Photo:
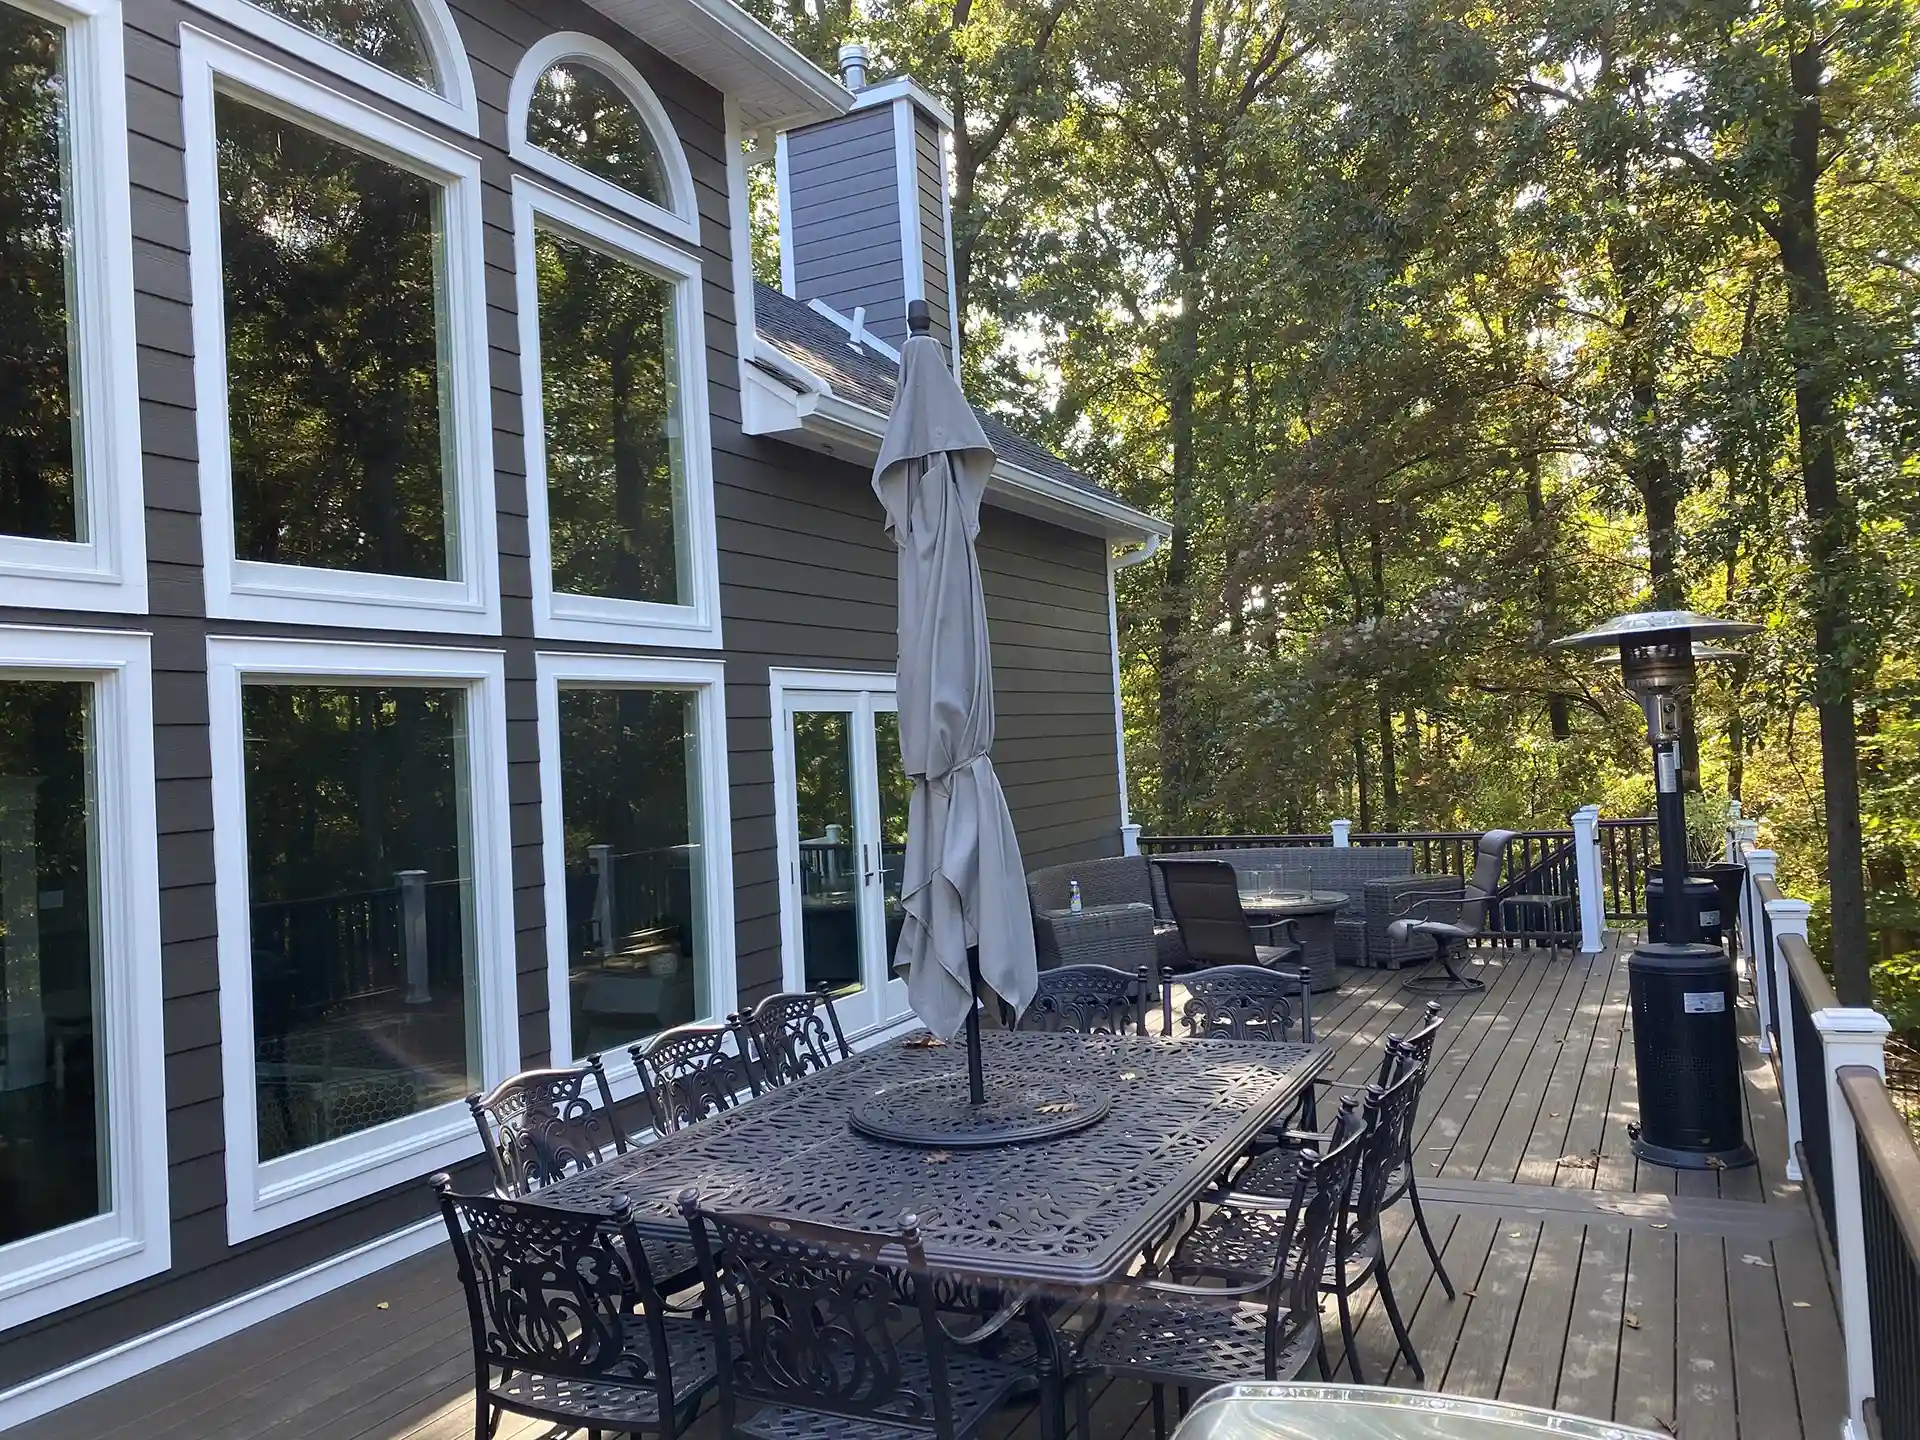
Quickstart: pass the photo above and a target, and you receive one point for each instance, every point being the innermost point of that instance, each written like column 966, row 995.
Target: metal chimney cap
column 1654, row 627
column 853, row 65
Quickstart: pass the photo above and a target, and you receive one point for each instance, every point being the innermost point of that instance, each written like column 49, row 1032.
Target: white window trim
column 706, row 680
column 681, row 216
column 455, row 106
column 108, row 570
column 558, row 615
column 262, row 1197
column 48, row 1272
column 255, row 590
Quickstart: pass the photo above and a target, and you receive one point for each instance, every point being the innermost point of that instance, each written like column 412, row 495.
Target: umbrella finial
column 919, row 317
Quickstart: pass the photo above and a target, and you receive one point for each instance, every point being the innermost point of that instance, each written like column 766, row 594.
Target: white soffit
column 774, row 85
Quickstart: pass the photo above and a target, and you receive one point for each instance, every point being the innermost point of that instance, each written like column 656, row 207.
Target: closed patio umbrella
column 964, row 885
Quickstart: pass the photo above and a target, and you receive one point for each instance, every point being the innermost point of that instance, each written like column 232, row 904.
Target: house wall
column 844, row 221
column 806, row 579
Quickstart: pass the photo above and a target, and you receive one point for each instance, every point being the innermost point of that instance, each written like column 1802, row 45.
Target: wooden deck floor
column 1695, row 1304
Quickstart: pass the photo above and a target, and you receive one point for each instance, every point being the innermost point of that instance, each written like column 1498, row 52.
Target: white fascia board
column 816, row 419
column 775, row 85
column 903, row 88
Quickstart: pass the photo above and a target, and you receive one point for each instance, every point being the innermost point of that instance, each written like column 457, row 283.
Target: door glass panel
column 829, row 870
column 630, row 808
column 359, row 875
column 53, row 1160
column 895, row 793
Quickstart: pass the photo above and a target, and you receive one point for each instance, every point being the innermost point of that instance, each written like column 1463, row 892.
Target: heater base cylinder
column 1686, row 1052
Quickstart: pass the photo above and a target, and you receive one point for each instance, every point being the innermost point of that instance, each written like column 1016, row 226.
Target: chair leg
column 1185, row 1397
column 1404, row 1340
column 1320, row 1352
column 1426, row 1235
column 1347, row 1336
column 1159, row 1412
column 1082, row 1409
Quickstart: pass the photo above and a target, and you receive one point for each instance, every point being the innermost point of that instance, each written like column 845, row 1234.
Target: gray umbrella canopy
column 964, row 883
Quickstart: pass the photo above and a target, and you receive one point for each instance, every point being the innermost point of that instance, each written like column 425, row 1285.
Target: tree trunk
column 1546, row 588
column 1383, row 695
column 1175, row 603
column 1832, row 532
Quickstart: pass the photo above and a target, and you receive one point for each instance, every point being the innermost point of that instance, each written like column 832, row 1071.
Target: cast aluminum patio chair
column 568, row 1326
column 1088, row 1000
column 1235, row 1237
column 1241, row 1002
column 1204, row 896
column 688, row 1073
column 1194, row 1336
column 796, row 1033
column 1269, row 1174
column 540, row 1126
column 812, row 1321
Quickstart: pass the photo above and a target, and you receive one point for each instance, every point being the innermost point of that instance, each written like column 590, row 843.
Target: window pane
column 387, row 32
column 579, row 114
column 616, row 499
column 38, row 443
column 829, row 873
column 53, row 1165
column 637, row 948
column 335, row 383
column 359, row 874
column 896, row 799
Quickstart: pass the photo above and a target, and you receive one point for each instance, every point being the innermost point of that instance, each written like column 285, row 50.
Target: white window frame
column 57, row 1268
column 557, row 614
column 681, row 215
column 107, row 571
column 258, row 590
column 264, row 1196
column 706, row 681
column 454, row 104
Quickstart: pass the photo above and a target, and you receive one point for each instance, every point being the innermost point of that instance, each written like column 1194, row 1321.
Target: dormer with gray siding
column 865, row 220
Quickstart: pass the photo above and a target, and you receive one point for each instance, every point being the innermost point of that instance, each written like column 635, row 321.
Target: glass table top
column 1305, row 1411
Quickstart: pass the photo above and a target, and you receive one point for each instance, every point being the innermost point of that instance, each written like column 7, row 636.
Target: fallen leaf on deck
column 383, row 1305
column 1803, row 1304
column 1759, row 1260
column 1714, row 1162
column 1661, row 1225
column 923, row 1042
column 1632, row 1320
column 1515, row 1234
column 1667, row 1425
column 1579, row 1162
column 1471, row 1294
column 938, row 1157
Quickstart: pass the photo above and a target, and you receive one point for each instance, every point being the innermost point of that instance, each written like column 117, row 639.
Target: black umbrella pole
column 976, row 1076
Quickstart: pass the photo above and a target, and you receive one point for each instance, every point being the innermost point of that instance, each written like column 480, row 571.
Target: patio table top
column 1072, row 1210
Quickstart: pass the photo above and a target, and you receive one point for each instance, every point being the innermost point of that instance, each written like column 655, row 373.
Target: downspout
column 1139, row 554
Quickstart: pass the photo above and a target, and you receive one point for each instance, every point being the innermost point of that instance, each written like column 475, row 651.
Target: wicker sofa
column 1116, row 921
column 1346, row 869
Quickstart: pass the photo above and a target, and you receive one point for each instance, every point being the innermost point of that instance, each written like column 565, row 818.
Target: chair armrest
column 1288, row 923
column 993, row 1325
column 1202, row 1292
column 1421, row 908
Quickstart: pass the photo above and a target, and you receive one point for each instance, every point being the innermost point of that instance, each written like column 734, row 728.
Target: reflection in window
column 637, row 949
column 336, row 386
column 896, row 796
column 579, row 114
column 616, row 502
column 387, row 32
column 829, row 876
column 53, row 1164
column 38, row 443
column 359, row 874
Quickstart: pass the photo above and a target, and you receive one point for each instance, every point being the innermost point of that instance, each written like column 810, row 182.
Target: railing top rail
column 1767, row 888
column 1628, row 822
column 1358, row 837
column 1323, row 838
column 1808, row 978
column 1889, row 1145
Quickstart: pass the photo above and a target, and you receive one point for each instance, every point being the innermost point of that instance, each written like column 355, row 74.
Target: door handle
column 866, row 864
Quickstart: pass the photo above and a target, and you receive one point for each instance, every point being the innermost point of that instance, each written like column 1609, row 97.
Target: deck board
column 1607, row 1288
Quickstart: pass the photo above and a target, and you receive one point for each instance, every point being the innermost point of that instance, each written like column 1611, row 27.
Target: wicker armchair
column 1115, row 925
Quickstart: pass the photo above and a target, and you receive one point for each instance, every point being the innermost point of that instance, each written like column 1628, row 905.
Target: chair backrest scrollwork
column 541, row 1126
column 797, row 1033
column 811, row 1315
column 689, row 1073
column 1246, row 1002
column 1089, row 1000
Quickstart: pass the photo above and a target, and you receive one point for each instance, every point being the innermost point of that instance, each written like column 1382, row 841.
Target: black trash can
column 1729, row 879
column 1703, row 908
column 1686, row 1051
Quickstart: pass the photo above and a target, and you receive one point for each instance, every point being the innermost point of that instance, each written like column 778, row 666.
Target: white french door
column 841, row 809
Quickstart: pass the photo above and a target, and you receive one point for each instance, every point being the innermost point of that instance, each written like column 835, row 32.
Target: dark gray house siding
column 807, row 579
column 845, row 206
column 930, row 164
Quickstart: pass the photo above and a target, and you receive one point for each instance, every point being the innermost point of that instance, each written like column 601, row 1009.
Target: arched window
column 410, row 51
column 581, row 114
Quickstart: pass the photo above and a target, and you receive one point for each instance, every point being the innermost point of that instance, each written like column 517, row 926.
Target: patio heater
column 1686, row 1046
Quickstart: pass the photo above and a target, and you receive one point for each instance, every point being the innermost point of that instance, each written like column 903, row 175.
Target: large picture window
column 620, row 489
column 339, row 326
column 70, row 503
column 366, row 974
column 83, row 1188
column 639, row 882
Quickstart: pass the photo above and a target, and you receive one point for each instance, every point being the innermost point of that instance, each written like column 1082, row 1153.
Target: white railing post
column 1586, row 869
column 1129, row 839
column 600, row 862
column 1851, row 1035
column 1788, row 917
column 1733, row 832
column 413, row 933
column 1343, row 834
column 1753, row 939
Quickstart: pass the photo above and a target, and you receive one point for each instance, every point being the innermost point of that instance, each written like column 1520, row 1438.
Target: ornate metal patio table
column 1071, row 1211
